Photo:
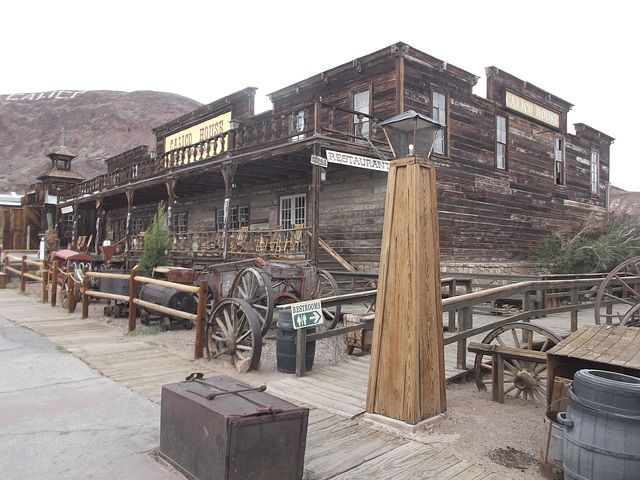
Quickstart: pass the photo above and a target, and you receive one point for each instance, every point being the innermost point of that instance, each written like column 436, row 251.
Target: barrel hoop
column 602, row 451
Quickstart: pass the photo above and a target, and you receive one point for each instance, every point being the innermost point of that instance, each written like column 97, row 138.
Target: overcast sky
column 584, row 52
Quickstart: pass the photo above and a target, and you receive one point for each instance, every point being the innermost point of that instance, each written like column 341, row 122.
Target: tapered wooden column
column 406, row 378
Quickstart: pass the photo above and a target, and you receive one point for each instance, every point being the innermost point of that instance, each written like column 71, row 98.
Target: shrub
column 600, row 245
column 157, row 241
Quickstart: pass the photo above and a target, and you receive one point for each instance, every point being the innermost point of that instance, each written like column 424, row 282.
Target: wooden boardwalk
column 339, row 446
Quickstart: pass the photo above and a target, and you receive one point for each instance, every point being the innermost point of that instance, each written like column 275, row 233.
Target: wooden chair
column 297, row 235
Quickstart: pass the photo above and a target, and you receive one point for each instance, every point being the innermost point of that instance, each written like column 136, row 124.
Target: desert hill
column 95, row 125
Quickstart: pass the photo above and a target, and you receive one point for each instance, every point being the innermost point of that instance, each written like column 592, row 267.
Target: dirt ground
column 502, row 438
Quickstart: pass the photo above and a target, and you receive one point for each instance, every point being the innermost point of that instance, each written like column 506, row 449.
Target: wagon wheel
column 632, row 317
column 254, row 286
column 370, row 304
column 326, row 286
column 625, row 296
column 234, row 329
column 527, row 379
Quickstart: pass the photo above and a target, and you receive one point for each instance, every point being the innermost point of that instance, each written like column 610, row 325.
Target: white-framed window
column 559, row 161
column 136, row 226
column 595, row 169
column 180, row 223
column 361, row 103
column 501, row 142
column 439, row 114
column 298, row 126
column 293, row 211
column 67, row 228
column 238, row 217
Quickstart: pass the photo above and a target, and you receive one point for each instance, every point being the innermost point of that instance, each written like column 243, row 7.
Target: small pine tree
column 157, row 241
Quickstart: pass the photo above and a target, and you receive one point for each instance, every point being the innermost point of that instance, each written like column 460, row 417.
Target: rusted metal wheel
column 522, row 379
column 254, row 286
column 326, row 286
column 234, row 329
column 617, row 295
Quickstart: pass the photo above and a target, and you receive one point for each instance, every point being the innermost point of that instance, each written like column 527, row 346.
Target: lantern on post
column 406, row 377
column 411, row 134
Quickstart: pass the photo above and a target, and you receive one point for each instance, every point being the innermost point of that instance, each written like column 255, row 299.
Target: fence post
column 4, row 268
column 85, row 297
column 71, row 289
column 44, row 274
column 574, row 313
column 465, row 322
column 301, row 352
column 133, row 292
column 54, row 282
column 23, row 270
column 200, row 321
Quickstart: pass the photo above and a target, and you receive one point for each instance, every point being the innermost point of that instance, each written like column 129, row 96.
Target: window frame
column 559, row 161
column 236, row 217
column 502, row 160
column 298, row 125
column 180, row 223
column 440, row 115
column 594, row 172
column 366, row 122
column 287, row 223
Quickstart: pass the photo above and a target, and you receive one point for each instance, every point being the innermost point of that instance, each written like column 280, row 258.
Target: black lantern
column 411, row 134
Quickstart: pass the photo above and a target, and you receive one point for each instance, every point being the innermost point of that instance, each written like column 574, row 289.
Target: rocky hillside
column 95, row 125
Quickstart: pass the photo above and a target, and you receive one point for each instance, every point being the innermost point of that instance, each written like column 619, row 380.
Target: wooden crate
column 360, row 338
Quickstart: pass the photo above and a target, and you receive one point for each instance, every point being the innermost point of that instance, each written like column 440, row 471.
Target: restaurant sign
column 533, row 110
column 198, row 133
column 357, row 161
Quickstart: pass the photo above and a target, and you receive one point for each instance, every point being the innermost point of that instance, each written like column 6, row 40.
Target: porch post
column 171, row 198
column 228, row 172
column 314, row 251
column 127, row 232
column 99, row 223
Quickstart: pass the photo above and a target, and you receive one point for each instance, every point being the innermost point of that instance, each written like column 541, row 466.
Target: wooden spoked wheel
column 254, row 286
column 522, row 379
column 326, row 286
column 370, row 304
column 618, row 295
column 234, row 329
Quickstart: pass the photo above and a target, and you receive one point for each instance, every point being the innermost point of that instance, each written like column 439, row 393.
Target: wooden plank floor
column 339, row 446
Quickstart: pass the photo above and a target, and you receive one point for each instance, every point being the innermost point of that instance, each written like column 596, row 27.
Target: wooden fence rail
column 132, row 299
column 463, row 305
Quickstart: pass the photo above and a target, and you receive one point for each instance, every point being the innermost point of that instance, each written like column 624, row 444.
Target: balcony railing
column 320, row 118
column 290, row 243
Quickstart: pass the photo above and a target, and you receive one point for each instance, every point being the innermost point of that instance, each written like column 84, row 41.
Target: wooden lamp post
column 406, row 378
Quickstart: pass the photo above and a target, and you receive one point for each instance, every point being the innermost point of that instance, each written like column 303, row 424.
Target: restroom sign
column 307, row 314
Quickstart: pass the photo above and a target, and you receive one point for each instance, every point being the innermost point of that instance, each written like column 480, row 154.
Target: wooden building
column 40, row 203
column 508, row 172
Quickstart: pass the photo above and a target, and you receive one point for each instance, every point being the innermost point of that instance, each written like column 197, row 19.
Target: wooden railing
column 42, row 266
column 321, row 118
column 132, row 299
column 290, row 243
column 463, row 305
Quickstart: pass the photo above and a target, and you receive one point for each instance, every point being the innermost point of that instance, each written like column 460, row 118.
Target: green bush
column 157, row 241
column 600, row 245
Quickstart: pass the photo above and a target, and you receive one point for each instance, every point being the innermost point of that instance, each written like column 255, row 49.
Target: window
column 501, row 142
column 361, row 125
column 559, row 161
column 67, row 228
column 298, row 126
column 136, row 226
column 238, row 217
column 595, row 168
column 180, row 223
column 439, row 114
column 293, row 211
